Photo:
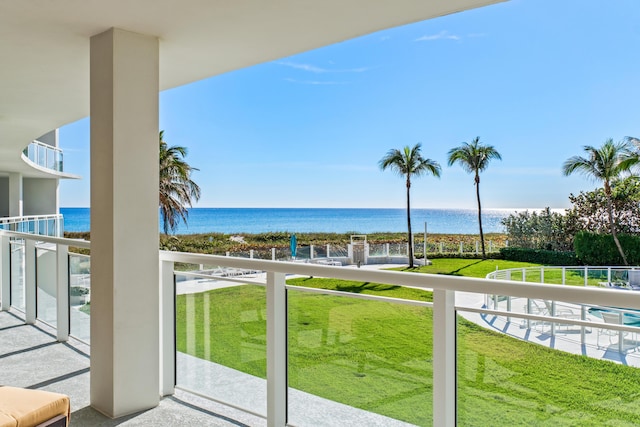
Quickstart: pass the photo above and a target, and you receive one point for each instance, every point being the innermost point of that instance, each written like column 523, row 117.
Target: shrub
column 540, row 256
column 600, row 249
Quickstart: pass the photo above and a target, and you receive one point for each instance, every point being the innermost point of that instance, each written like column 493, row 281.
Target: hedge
column 600, row 249
column 540, row 256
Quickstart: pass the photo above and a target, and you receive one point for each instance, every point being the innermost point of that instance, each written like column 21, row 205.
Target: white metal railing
column 45, row 225
column 44, row 155
column 444, row 309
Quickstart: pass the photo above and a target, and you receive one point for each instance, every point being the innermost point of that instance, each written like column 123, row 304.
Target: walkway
column 32, row 358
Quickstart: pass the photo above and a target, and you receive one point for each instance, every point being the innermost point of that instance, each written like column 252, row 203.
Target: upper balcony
column 44, row 155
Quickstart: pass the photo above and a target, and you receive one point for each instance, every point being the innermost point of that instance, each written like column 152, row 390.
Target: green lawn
column 377, row 356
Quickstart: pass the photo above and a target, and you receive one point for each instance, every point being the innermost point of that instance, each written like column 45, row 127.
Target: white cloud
column 314, row 82
column 320, row 70
column 442, row 35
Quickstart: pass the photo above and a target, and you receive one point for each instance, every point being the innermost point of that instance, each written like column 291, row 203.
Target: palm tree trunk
column 612, row 225
column 409, row 224
column 484, row 255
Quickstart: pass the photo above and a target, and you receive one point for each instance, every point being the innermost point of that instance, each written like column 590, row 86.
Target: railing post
column 251, row 253
column 30, row 281
column 490, row 245
column 583, row 316
column 609, row 276
column 167, row 329
column 586, row 275
column 273, row 254
column 476, row 247
column 62, row 292
column 461, row 247
column 444, row 358
column 564, row 275
column 310, row 251
column 5, row 273
column 553, row 314
column 276, row 350
column 328, row 250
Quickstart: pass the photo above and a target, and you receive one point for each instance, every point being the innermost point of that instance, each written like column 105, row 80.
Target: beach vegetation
column 409, row 163
column 545, row 230
column 605, row 164
column 178, row 191
column 474, row 158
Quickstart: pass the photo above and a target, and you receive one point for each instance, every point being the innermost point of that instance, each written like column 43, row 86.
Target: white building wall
column 49, row 138
column 40, row 196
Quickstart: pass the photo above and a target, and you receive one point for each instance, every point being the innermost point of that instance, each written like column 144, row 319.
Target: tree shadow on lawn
column 456, row 272
column 357, row 288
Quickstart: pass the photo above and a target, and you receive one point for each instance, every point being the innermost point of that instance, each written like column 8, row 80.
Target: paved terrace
column 30, row 357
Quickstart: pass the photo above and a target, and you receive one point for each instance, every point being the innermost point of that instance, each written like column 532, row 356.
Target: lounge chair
column 613, row 318
column 634, row 280
column 33, row 408
column 564, row 312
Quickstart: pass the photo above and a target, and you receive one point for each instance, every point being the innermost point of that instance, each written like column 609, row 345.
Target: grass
column 377, row 356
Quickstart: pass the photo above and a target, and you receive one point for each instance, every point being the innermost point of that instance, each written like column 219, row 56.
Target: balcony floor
column 31, row 357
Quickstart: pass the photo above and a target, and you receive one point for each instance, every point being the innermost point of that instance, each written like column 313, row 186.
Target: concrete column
column 15, row 194
column 125, row 300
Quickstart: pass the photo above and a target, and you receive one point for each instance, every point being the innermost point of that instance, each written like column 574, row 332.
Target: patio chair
column 614, row 318
column 538, row 309
column 565, row 312
column 634, row 280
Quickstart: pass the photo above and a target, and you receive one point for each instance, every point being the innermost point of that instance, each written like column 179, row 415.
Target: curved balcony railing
column 44, row 155
column 247, row 336
column 43, row 225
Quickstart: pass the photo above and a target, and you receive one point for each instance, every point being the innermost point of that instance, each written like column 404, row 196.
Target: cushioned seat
column 21, row 407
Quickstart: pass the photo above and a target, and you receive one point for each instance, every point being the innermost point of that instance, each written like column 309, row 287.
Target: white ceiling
column 44, row 46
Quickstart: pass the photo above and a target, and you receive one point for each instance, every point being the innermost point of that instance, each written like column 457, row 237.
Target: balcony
column 44, row 225
column 44, row 155
column 257, row 347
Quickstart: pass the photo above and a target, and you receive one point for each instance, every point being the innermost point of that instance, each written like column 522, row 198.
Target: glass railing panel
column 42, row 155
column 377, row 249
column 221, row 341
column 358, row 362
column 17, row 273
column 503, row 380
column 397, row 249
column 319, row 251
column 338, row 251
column 46, row 286
column 303, row 252
column 80, row 296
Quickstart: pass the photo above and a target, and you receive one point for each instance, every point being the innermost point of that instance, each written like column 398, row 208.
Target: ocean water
column 301, row 220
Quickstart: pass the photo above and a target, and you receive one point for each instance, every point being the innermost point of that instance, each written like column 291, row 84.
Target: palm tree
column 409, row 162
column 604, row 164
column 177, row 189
column 474, row 158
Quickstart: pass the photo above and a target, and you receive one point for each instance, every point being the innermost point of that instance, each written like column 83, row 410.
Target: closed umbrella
column 293, row 245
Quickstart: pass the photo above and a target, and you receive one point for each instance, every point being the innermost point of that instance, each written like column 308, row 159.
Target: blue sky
column 537, row 79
